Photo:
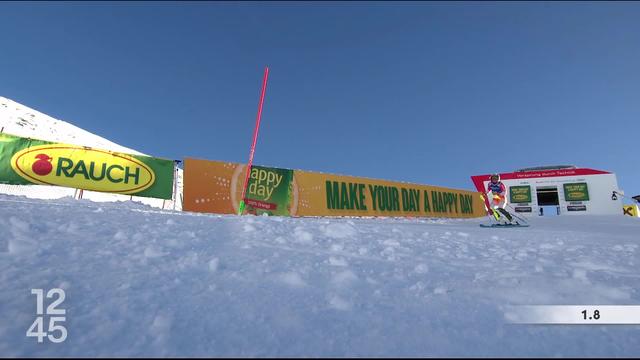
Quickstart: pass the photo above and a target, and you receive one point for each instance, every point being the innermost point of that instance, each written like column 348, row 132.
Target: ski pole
column 516, row 216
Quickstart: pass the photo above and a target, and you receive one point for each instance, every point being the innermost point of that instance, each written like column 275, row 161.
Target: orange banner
column 216, row 187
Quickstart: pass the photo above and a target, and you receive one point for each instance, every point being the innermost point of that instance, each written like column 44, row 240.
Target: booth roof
column 478, row 180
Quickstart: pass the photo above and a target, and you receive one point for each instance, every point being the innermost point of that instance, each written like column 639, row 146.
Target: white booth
column 559, row 190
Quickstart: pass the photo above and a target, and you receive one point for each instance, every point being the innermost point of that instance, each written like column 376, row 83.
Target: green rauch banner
column 269, row 191
column 37, row 162
column 520, row 194
column 576, row 192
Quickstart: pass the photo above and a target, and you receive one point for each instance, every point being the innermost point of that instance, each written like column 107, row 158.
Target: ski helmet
column 497, row 176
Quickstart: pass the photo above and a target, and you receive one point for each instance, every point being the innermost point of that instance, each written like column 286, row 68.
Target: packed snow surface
column 144, row 282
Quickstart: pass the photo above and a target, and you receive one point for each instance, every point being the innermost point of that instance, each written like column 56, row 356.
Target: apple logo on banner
column 43, row 166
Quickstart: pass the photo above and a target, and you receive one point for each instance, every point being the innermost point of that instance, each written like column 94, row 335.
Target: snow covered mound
column 140, row 281
column 17, row 119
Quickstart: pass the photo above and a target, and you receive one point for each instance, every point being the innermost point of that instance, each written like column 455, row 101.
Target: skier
column 499, row 198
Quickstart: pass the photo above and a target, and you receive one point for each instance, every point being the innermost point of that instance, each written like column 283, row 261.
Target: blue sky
column 423, row 92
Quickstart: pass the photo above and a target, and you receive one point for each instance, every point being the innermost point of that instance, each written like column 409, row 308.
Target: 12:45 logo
column 56, row 332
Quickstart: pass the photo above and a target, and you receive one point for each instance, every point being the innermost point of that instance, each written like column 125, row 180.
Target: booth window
column 547, row 196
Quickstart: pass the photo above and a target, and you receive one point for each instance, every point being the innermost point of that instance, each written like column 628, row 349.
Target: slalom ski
column 503, row 225
column 493, row 212
column 497, row 217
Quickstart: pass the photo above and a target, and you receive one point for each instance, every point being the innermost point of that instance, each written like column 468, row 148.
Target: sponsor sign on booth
column 576, row 192
column 520, row 194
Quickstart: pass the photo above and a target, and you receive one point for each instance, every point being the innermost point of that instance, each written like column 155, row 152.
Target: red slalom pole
column 255, row 139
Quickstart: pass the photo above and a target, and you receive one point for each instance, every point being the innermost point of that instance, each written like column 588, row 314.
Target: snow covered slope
column 17, row 119
column 140, row 281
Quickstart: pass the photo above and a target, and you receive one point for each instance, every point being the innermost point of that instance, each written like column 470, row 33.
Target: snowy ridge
column 20, row 120
column 145, row 282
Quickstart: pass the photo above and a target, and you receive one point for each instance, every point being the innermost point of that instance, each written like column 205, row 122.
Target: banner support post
column 175, row 183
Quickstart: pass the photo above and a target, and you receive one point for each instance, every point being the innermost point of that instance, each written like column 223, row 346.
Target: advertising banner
column 576, row 192
column 520, row 194
column 37, row 162
column 269, row 191
column 216, row 187
column 630, row 210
